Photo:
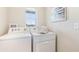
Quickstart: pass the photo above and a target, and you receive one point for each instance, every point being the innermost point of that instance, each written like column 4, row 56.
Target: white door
column 46, row 46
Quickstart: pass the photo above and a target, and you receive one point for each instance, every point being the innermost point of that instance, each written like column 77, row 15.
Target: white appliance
column 16, row 41
column 44, row 42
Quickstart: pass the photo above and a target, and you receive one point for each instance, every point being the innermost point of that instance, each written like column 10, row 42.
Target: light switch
column 76, row 26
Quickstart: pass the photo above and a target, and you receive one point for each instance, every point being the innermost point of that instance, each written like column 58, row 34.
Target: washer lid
column 15, row 35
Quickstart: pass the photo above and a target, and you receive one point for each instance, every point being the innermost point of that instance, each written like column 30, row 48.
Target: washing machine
column 45, row 42
column 15, row 42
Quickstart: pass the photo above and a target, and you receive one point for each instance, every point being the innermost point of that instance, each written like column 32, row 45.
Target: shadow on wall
column 3, row 21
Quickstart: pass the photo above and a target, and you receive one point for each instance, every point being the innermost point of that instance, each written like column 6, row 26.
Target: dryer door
column 46, row 46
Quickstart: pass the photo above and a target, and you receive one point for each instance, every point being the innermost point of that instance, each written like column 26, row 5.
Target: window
column 30, row 18
column 58, row 14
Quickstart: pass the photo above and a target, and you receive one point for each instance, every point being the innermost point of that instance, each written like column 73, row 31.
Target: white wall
column 3, row 20
column 67, row 33
column 17, row 15
column 73, row 13
column 41, row 16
